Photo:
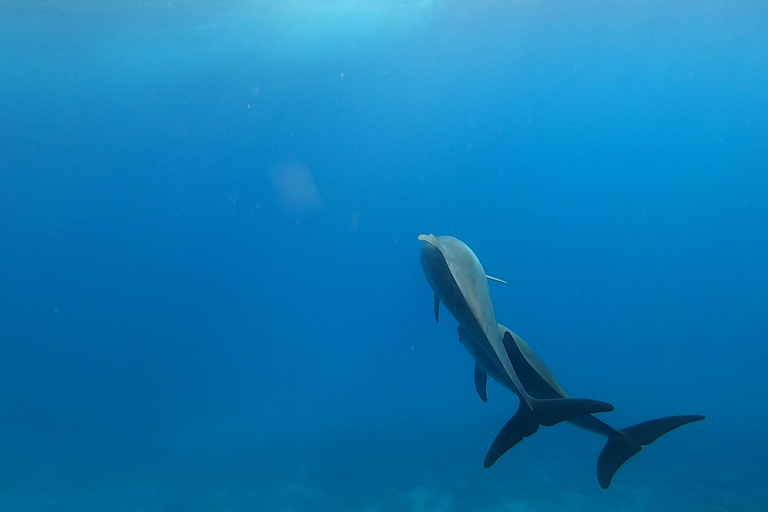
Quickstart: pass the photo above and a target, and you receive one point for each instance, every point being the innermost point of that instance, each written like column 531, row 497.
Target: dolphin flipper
column 629, row 441
column 520, row 426
column 481, row 383
column 437, row 308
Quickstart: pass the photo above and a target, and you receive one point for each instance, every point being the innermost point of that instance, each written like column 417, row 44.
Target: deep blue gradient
column 211, row 296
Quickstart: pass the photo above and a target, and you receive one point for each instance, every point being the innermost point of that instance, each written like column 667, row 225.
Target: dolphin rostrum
column 529, row 376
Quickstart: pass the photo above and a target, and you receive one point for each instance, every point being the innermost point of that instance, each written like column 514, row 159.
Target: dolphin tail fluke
column 547, row 412
column 627, row 442
column 551, row 411
column 616, row 452
column 520, row 426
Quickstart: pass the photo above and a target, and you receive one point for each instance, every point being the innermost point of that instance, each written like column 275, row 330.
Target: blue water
column 211, row 297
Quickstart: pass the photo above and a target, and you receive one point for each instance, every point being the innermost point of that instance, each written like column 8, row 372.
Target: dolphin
column 459, row 281
column 529, row 377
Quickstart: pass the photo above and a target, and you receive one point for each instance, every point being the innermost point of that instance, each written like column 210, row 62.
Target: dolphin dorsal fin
column 491, row 278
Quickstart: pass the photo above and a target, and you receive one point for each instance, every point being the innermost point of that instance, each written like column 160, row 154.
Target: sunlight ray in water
column 306, row 27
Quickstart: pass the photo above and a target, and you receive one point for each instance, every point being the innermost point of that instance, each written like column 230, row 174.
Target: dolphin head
column 448, row 254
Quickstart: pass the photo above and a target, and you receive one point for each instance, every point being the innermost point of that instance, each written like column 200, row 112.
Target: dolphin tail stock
column 553, row 408
column 623, row 444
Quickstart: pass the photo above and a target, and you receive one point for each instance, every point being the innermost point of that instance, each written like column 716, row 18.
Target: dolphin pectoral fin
column 437, row 308
column 482, row 362
column 551, row 411
column 628, row 442
column 481, row 383
column 520, row 426
column 491, row 278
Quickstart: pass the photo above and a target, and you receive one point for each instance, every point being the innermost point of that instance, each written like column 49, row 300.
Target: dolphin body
column 459, row 281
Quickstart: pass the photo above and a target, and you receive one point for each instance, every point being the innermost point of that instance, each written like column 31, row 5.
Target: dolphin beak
column 427, row 238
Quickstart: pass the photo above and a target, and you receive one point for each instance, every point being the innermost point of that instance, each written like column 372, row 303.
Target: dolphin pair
column 460, row 283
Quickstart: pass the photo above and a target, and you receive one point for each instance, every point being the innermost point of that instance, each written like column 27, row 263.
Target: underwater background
column 211, row 296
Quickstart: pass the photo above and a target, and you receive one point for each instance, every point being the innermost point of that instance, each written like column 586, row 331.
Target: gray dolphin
column 529, row 376
column 459, row 281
